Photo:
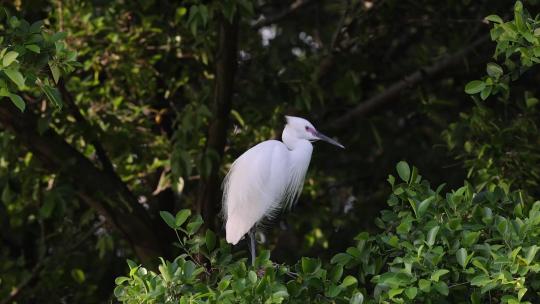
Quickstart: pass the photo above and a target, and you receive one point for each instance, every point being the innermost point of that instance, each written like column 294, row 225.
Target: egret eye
column 307, row 128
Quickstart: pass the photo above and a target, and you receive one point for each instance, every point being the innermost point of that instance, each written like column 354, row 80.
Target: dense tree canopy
column 116, row 115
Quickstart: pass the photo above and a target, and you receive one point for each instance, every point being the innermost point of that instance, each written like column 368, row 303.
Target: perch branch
column 393, row 91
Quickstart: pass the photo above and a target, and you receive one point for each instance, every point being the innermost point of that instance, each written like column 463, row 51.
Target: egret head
column 303, row 129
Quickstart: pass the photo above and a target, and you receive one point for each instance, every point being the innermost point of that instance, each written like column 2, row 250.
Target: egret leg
column 252, row 245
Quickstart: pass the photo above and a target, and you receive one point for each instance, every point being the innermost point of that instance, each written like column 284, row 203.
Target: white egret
column 268, row 177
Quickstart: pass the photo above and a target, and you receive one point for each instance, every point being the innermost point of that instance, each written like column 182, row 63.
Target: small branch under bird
column 268, row 177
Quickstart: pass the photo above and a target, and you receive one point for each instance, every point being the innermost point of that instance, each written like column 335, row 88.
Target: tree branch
column 226, row 62
column 393, row 91
column 86, row 128
column 109, row 196
column 268, row 20
column 337, row 33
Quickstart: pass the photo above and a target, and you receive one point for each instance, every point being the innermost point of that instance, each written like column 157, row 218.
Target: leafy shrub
column 497, row 139
column 434, row 247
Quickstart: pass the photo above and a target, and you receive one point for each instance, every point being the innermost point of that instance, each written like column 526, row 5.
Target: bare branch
column 393, row 91
column 265, row 21
column 339, row 27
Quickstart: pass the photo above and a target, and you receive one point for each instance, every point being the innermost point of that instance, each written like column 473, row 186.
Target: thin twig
column 338, row 31
column 267, row 20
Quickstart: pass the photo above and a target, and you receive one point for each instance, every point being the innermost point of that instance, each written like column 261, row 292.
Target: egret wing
column 254, row 187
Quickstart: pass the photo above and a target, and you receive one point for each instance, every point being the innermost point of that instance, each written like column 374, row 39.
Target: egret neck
column 300, row 155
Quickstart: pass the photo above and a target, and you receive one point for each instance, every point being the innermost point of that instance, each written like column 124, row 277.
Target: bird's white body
column 267, row 177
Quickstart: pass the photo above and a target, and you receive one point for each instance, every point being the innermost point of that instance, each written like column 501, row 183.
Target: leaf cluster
column 434, row 247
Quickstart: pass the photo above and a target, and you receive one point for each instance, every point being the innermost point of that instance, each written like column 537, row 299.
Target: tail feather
column 236, row 229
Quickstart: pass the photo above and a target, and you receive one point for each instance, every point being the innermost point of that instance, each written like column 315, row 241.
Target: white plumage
column 267, row 177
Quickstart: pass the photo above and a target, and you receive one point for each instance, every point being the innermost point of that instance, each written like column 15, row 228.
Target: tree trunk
column 226, row 62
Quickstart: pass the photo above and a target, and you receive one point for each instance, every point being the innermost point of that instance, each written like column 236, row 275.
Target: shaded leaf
column 475, row 86
column 9, row 57
column 168, row 218
column 403, row 171
column 17, row 101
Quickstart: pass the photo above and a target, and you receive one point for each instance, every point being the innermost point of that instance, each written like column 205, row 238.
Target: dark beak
column 328, row 139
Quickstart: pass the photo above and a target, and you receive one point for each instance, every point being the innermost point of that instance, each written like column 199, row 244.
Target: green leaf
column 252, row 276
column 518, row 16
column 494, row 18
column 461, row 256
column 403, row 171
column 424, row 285
column 16, row 77
column 531, row 253
column 120, row 280
column 415, row 178
column 441, row 288
column 36, row 27
column 358, row 298
column 248, row 6
column 165, row 273
column 131, row 264
column 333, row 291
column 182, row 216
column 475, row 298
column 34, row 48
column 168, row 218
column 521, row 293
column 531, row 102
column 210, row 239
column 394, row 279
column 348, row 281
column 17, row 101
column 475, row 86
column 58, row 36
column 336, row 273
column 486, row 92
column 480, row 280
column 411, row 292
column 203, row 12
column 310, row 265
column 229, row 9
column 238, row 118
column 78, row 275
column 391, row 180
column 394, row 292
column 470, row 238
column 424, row 205
column 437, row 274
column 341, row 258
column 224, row 283
column 432, row 235
column 406, row 224
column 53, row 95
column 494, row 70
column 194, row 224
column 48, row 206
column 55, row 71
column 479, row 265
column 9, row 58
